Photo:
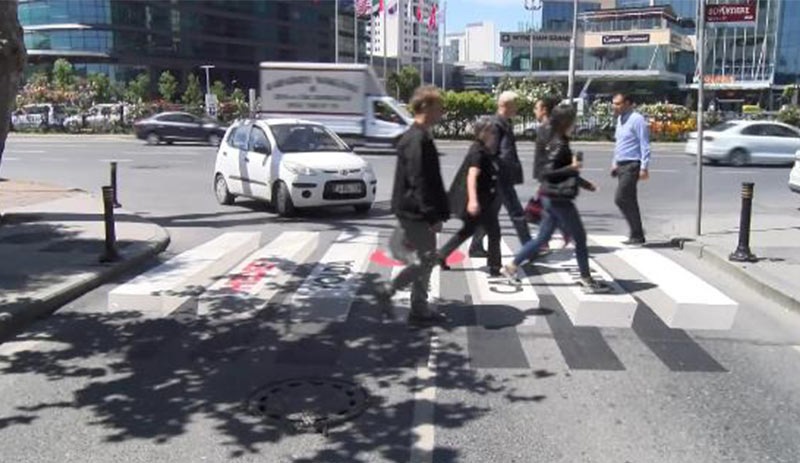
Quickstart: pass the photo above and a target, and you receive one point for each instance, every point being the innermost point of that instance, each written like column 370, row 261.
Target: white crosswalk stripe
column 231, row 274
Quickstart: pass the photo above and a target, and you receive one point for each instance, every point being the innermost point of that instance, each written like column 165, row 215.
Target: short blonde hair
column 424, row 97
column 507, row 97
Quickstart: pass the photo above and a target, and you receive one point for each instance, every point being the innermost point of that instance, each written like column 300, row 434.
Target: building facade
column 479, row 43
column 409, row 35
column 123, row 38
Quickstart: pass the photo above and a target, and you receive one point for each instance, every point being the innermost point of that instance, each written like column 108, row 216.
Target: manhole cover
column 309, row 404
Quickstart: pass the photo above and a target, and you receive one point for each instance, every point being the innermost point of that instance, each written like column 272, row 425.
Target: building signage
column 507, row 39
column 718, row 79
column 626, row 39
column 731, row 13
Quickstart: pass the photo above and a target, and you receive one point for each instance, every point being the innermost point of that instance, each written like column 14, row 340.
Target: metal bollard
column 114, row 184
column 742, row 253
column 110, row 254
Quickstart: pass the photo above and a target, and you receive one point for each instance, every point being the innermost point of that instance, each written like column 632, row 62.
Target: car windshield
column 722, row 127
column 303, row 138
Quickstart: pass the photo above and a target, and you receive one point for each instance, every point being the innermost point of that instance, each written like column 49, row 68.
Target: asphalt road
column 89, row 385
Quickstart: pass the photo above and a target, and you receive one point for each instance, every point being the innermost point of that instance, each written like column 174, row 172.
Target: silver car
column 747, row 142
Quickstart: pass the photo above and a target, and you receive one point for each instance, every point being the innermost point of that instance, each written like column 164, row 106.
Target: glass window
column 758, row 130
column 296, row 138
column 258, row 138
column 722, row 127
column 781, row 131
column 239, row 136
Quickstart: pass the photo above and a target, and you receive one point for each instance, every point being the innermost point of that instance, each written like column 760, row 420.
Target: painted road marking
column 691, row 302
column 115, row 160
column 14, row 151
column 10, row 158
column 328, row 292
column 615, row 309
column 262, row 275
column 171, row 284
column 423, row 427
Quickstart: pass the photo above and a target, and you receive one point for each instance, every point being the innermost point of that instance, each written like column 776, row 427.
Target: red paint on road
column 381, row 258
column 251, row 275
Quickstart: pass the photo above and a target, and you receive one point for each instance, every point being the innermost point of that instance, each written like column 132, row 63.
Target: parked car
column 178, row 126
column 291, row 164
column 740, row 142
column 794, row 175
column 97, row 117
column 38, row 116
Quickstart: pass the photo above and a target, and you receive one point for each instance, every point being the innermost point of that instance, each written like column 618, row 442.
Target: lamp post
column 207, row 97
column 572, row 44
column 208, row 67
column 533, row 6
column 701, row 70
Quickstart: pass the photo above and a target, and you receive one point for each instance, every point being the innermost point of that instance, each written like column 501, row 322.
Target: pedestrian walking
column 561, row 183
column 473, row 196
column 542, row 110
column 420, row 203
column 631, row 163
column 510, row 172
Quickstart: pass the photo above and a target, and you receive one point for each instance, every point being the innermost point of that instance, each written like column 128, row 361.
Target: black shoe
column 442, row 262
column 478, row 253
column 592, row 286
column 383, row 298
column 426, row 317
column 495, row 272
column 634, row 242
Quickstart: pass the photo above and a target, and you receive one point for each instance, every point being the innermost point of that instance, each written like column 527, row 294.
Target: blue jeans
column 564, row 213
column 510, row 199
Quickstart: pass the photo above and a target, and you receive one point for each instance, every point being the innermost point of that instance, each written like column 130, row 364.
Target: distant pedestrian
column 473, row 196
column 510, row 172
column 561, row 182
column 631, row 163
column 420, row 203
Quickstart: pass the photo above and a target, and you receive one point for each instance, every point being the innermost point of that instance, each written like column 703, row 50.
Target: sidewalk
column 51, row 239
column 774, row 239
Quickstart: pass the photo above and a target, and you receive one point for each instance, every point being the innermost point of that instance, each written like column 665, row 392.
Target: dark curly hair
column 562, row 117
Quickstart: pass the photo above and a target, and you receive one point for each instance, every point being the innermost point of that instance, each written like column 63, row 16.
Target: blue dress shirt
column 633, row 139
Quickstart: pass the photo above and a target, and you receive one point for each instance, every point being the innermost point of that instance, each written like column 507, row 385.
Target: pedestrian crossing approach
column 319, row 277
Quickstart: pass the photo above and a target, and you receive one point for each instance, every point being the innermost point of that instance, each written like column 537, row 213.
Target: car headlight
column 298, row 169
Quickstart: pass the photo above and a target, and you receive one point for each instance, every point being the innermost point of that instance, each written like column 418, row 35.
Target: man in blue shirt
column 631, row 163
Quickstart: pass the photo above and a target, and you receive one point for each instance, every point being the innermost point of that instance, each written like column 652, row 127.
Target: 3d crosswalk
column 243, row 272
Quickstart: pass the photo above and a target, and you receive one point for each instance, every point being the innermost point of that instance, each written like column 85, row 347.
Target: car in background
column 170, row 127
column 741, row 142
column 39, row 116
column 291, row 164
column 794, row 175
column 100, row 116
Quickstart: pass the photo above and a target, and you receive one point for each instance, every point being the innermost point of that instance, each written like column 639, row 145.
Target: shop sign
column 731, row 13
column 626, row 39
column 718, row 79
column 507, row 39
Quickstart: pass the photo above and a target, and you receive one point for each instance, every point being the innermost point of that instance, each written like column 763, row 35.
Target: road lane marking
column 10, row 159
column 423, row 427
column 115, row 160
column 15, row 151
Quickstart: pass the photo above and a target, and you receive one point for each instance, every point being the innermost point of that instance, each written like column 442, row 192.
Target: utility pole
column 336, row 30
column 444, row 46
column 701, row 70
column 572, row 45
column 207, row 67
column 532, row 6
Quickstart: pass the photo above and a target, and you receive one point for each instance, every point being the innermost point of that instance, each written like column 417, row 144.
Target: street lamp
column 572, row 44
column 533, row 6
column 208, row 67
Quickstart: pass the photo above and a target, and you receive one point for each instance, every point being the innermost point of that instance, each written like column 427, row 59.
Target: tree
column 218, row 89
column 193, row 96
column 402, row 85
column 101, row 86
column 138, row 89
column 63, row 74
column 167, row 86
column 12, row 63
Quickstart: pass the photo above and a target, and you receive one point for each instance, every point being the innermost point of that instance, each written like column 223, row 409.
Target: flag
column 363, row 8
column 432, row 19
column 393, row 9
column 419, row 11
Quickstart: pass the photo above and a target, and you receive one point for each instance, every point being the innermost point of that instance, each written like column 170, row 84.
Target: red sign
column 731, row 13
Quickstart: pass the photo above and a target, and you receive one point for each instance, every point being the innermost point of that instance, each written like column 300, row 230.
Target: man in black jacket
column 510, row 170
column 420, row 202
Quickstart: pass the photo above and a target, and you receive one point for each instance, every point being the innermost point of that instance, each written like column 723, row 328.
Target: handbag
column 533, row 210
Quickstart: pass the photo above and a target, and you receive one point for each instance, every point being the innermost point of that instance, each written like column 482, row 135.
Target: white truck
column 349, row 99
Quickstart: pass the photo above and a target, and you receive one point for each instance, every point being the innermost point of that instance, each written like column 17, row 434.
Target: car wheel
column 738, row 157
column 153, row 138
column 283, row 201
column 363, row 208
column 214, row 139
column 221, row 191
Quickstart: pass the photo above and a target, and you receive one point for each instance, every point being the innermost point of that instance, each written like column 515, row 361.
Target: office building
column 479, row 43
column 123, row 38
column 410, row 34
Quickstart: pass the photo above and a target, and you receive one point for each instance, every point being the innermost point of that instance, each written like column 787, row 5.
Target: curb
column 20, row 315
column 748, row 276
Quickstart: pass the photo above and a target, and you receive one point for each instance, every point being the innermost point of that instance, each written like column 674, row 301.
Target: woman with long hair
column 561, row 182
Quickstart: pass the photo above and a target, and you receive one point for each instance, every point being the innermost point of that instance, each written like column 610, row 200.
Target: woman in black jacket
column 561, row 181
column 473, row 196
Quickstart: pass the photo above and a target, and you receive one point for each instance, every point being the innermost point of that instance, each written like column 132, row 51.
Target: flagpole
column 371, row 37
column 401, row 25
column 444, row 40
column 355, row 32
column 385, row 45
column 336, row 29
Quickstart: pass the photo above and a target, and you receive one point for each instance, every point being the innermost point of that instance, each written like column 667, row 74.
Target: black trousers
column 487, row 220
column 627, row 197
column 507, row 197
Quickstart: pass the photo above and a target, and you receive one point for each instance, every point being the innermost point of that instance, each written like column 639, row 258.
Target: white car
column 291, row 164
column 744, row 142
column 794, row 175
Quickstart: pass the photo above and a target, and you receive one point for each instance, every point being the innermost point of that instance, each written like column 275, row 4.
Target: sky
column 505, row 14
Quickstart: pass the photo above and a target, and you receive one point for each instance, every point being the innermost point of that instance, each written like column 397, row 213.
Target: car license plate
column 347, row 188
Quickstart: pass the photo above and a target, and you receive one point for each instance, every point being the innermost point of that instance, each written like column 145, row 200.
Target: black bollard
column 114, row 184
column 742, row 253
column 110, row 254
